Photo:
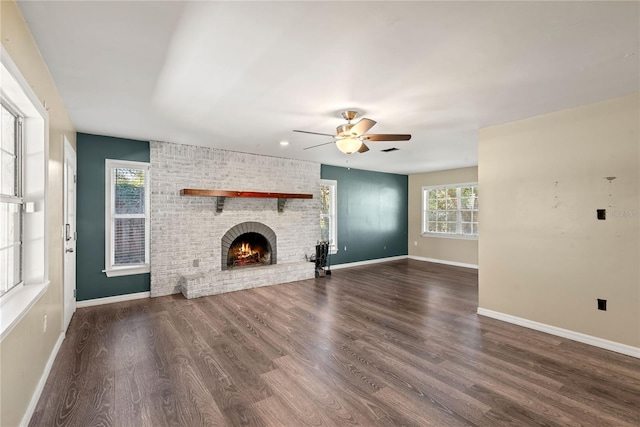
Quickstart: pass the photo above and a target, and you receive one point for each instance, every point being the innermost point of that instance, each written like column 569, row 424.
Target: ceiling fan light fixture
column 349, row 145
column 351, row 137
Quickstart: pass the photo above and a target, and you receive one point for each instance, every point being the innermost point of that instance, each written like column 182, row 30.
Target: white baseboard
column 111, row 300
column 367, row 262
column 444, row 261
column 564, row 333
column 43, row 380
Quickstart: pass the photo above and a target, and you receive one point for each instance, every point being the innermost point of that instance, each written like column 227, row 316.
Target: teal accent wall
column 92, row 150
column 372, row 214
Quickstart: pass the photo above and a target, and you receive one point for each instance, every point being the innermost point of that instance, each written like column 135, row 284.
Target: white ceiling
column 242, row 75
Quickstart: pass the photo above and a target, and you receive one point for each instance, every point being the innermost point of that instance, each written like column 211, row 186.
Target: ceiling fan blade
column 320, row 145
column 362, row 126
column 363, row 148
column 313, row 133
column 386, row 137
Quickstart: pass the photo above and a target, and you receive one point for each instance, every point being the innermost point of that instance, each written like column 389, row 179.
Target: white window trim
column 17, row 198
column 110, row 269
column 17, row 92
column 333, row 215
column 425, row 232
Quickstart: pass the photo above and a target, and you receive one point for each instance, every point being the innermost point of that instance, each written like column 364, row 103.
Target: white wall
column 26, row 350
column 543, row 255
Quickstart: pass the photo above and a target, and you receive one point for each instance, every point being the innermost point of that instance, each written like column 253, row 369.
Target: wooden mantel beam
column 222, row 194
column 228, row 193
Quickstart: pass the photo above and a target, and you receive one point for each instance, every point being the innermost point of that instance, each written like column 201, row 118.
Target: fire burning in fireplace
column 248, row 249
column 245, row 255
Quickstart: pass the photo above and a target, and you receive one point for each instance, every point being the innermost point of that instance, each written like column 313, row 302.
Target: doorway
column 70, row 169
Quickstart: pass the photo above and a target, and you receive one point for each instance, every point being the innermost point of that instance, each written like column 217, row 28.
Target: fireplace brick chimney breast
column 184, row 228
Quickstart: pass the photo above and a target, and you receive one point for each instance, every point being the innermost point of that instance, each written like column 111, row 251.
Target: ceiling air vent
column 388, row 150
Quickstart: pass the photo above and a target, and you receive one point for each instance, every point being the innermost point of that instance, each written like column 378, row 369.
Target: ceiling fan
column 350, row 137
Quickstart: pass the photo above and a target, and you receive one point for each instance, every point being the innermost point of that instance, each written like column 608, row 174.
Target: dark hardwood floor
column 397, row 343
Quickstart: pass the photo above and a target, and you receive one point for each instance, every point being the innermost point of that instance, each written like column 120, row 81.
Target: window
column 450, row 211
column 24, row 169
column 10, row 200
column 127, row 218
column 328, row 209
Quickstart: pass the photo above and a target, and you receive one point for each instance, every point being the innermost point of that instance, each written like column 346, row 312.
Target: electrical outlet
column 602, row 304
column 415, row 243
column 44, row 323
column 345, row 247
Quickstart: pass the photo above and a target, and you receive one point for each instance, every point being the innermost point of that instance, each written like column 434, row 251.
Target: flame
column 245, row 250
column 244, row 254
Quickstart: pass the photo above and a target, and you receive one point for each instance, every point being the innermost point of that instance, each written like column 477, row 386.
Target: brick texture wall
column 186, row 231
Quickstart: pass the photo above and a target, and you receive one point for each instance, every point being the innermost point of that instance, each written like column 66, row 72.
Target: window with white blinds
column 450, row 210
column 127, row 218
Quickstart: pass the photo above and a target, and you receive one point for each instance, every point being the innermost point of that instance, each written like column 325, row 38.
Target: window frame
column 426, row 210
column 16, row 198
column 333, row 214
column 112, row 269
column 17, row 93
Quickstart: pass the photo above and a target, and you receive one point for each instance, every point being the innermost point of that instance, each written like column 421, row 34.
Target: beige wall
column 25, row 351
column 543, row 255
column 454, row 250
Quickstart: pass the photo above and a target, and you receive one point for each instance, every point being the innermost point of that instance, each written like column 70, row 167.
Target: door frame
column 69, row 304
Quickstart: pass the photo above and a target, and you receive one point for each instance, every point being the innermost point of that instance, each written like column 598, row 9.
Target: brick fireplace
column 248, row 244
column 191, row 237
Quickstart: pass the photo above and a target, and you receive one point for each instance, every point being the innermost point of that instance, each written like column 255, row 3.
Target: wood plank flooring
column 396, row 343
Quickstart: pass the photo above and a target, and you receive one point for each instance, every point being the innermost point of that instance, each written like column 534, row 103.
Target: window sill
column 450, row 236
column 127, row 271
column 17, row 304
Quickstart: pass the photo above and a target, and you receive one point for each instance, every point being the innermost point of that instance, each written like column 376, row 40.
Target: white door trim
column 69, row 235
